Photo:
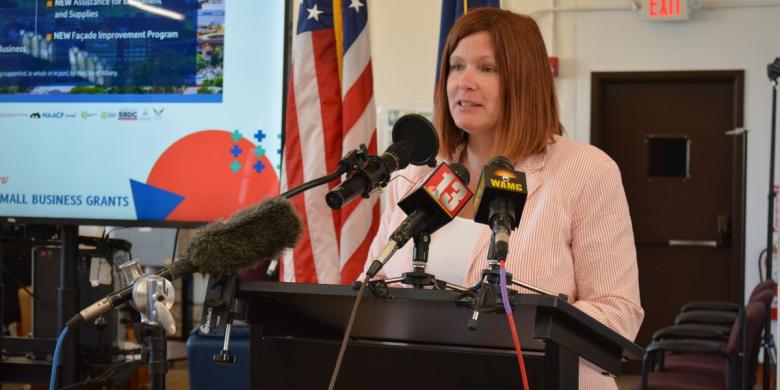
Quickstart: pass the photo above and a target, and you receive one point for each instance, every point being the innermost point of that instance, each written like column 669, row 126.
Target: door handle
column 701, row 243
column 723, row 239
column 707, row 243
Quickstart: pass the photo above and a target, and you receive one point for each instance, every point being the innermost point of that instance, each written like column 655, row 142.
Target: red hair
column 529, row 111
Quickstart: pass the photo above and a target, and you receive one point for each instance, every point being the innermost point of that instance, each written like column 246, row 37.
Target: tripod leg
column 479, row 302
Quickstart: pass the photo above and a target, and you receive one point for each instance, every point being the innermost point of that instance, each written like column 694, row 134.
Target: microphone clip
column 220, row 307
column 364, row 172
column 217, row 305
column 353, row 160
column 381, row 176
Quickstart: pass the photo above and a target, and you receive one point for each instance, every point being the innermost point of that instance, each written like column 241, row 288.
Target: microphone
column 432, row 205
column 254, row 234
column 414, row 141
column 499, row 202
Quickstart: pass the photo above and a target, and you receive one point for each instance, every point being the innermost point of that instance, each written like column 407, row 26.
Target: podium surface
column 425, row 325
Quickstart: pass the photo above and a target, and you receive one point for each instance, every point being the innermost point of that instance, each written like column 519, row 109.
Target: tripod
column 418, row 278
column 773, row 71
column 484, row 297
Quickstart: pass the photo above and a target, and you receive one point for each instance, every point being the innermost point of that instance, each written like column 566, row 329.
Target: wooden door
column 683, row 179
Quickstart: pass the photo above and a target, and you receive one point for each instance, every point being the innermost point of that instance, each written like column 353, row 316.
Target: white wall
column 404, row 40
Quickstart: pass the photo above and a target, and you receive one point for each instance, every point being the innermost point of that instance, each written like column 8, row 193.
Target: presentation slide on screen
column 154, row 110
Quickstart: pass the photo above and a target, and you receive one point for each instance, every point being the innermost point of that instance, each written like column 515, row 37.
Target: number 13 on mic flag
column 448, row 192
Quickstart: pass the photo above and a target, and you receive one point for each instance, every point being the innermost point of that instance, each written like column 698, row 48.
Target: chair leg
column 736, row 382
column 652, row 362
column 647, row 365
column 768, row 343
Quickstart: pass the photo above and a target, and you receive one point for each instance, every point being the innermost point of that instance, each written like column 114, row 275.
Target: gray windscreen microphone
column 254, row 234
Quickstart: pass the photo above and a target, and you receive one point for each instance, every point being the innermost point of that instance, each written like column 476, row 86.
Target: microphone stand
column 485, row 296
column 417, row 278
column 743, row 133
column 773, row 71
column 153, row 297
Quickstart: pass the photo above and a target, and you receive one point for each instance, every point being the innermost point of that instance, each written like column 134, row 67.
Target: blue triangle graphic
column 152, row 203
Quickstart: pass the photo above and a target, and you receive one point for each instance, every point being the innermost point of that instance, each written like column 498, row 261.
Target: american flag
column 330, row 111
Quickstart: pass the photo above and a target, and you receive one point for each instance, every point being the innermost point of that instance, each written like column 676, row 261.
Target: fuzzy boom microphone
column 257, row 233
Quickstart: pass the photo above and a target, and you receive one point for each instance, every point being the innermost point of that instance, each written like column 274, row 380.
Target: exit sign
column 665, row 10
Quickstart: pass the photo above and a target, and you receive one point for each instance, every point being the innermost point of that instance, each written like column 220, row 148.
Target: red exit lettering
column 665, row 8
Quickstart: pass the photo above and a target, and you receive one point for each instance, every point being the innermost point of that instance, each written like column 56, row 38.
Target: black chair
column 705, row 364
column 768, row 284
column 752, row 346
column 718, row 313
column 693, row 322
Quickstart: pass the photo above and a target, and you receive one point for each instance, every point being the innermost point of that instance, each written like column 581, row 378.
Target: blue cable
column 56, row 360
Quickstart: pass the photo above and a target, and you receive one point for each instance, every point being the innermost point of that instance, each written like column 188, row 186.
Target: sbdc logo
column 128, row 115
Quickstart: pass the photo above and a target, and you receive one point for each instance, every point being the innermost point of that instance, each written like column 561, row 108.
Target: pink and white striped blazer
column 574, row 237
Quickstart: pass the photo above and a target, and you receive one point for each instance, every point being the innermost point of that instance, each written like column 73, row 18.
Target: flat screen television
column 139, row 112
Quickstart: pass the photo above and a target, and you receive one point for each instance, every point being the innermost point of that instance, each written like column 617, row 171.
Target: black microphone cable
column 347, row 332
column 453, row 177
column 315, row 183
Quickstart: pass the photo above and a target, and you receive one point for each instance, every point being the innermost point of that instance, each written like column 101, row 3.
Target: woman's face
column 473, row 87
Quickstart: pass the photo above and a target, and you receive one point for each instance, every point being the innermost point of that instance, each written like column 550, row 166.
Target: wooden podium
column 418, row 339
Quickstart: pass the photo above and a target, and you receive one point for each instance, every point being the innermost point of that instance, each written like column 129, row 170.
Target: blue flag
column 451, row 10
